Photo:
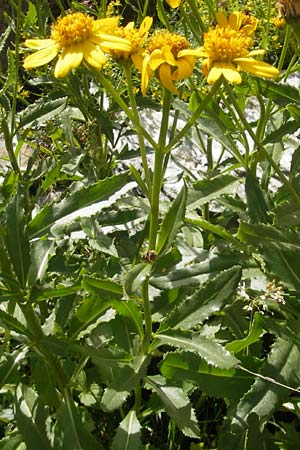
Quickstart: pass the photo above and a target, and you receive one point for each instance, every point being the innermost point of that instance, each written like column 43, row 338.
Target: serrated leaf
column 207, row 300
column 215, row 382
column 30, row 416
column 283, row 366
column 176, row 404
column 83, row 197
column 212, row 352
column 206, row 190
column 41, row 111
column 128, row 435
column 286, row 129
column 116, row 393
column 280, row 249
column 171, row 222
column 280, row 93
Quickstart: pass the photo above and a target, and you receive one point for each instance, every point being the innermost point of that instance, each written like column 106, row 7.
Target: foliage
column 149, row 274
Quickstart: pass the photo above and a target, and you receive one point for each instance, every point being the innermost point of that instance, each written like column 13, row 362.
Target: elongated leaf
column 70, row 431
column 117, row 392
column 11, row 323
column 41, row 252
column 280, row 93
column 215, row 229
column 17, row 239
column 41, row 111
column 176, row 404
column 30, row 417
column 280, row 249
column 128, row 435
column 215, row 382
column 253, row 336
column 172, row 222
column 212, row 352
column 85, row 196
column 9, row 364
column 285, row 130
column 264, row 397
column 136, row 276
column 199, row 272
column 102, row 286
column 206, row 190
column 256, row 202
column 207, row 300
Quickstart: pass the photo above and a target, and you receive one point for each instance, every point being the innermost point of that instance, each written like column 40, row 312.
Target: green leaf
column 176, row 404
column 207, row 300
column 206, row 190
column 215, row 382
column 12, row 442
column 70, row 432
column 280, row 249
column 256, row 202
column 73, row 202
column 264, row 396
column 8, row 365
column 280, row 93
column 102, row 286
column 212, row 352
column 215, row 229
column 171, row 222
column 255, row 332
column 30, row 416
column 128, row 435
column 128, row 376
column 136, row 276
column 41, row 111
column 9, row 322
column 286, row 129
column 41, row 252
column 17, row 239
column 199, row 272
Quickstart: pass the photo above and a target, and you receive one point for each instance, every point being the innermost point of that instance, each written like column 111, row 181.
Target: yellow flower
column 168, row 54
column 173, row 3
column 226, row 50
column 76, row 37
column 137, row 38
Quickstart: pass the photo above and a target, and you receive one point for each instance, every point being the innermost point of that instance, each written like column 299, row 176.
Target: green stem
column 193, row 119
column 118, row 99
column 147, row 317
column 261, row 148
column 158, row 170
column 139, row 128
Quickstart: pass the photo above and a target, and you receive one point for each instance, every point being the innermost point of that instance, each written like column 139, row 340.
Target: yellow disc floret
column 71, row 29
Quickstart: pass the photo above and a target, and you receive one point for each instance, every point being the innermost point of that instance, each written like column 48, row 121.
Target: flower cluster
column 226, row 50
column 78, row 37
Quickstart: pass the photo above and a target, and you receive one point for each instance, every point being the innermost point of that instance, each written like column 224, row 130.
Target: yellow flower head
column 174, row 3
column 226, row 50
column 76, row 37
column 137, row 38
column 168, row 54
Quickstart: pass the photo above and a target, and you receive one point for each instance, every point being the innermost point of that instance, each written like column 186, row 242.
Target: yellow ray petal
column 41, row 57
column 184, row 69
column 168, row 56
column 156, row 59
column 235, row 20
column 145, row 75
column 107, row 25
column 221, row 19
column 146, row 25
column 38, row 44
column 165, row 77
column 93, row 55
column 69, row 59
column 174, row 3
column 227, row 70
column 197, row 52
column 137, row 61
column 108, row 42
column 258, row 68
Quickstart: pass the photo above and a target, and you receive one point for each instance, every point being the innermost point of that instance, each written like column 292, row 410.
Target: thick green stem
column 158, row 170
column 139, row 128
